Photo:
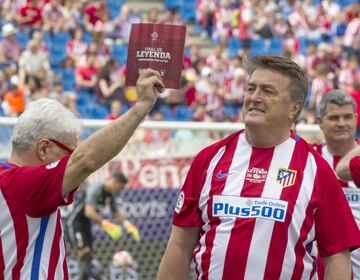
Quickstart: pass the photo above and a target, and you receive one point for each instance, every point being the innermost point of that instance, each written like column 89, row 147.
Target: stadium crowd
column 75, row 51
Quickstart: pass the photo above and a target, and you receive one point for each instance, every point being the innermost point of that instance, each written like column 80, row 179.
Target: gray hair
column 338, row 97
column 44, row 118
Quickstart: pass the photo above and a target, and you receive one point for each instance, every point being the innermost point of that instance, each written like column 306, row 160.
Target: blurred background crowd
column 75, row 51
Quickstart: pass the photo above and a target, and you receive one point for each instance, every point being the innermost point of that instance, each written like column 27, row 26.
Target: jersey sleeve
column 37, row 190
column 335, row 226
column 355, row 170
column 187, row 212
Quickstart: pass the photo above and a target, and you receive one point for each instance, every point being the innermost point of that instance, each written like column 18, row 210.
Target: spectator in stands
column 73, row 14
column 111, row 83
column 67, row 98
column 10, row 48
column 280, row 27
column 172, row 17
column 4, row 83
column 98, row 45
column 189, row 88
column 122, row 23
column 234, row 94
column 349, row 74
column 152, row 15
column 219, row 220
column 86, row 75
column 205, row 87
column 94, row 14
column 222, row 23
column 34, row 89
column 38, row 38
column 323, row 22
column 200, row 114
column 324, row 56
column 14, row 100
column 263, row 24
column 54, row 17
column 32, row 61
column 332, row 8
column 156, row 138
column 351, row 39
column 76, row 47
column 338, row 120
column 46, row 166
column 205, row 16
column 338, row 26
column 245, row 19
column 29, row 15
column 310, row 13
column 115, row 110
column 320, row 86
column 298, row 21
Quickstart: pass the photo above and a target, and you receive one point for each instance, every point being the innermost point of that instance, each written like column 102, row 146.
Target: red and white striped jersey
column 355, row 170
column 259, row 210
column 32, row 243
column 352, row 193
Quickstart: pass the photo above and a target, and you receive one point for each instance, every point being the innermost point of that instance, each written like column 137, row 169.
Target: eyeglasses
column 62, row 146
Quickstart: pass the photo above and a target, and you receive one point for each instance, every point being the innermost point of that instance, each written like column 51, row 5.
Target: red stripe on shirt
column 22, row 237
column 277, row 246
column 241, row 234
column 299, row 247
column 55, row 249
column 214, row 222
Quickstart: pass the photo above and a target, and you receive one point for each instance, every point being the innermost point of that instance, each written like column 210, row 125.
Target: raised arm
column 343, row 167
column 108, row 141
column 175, row 263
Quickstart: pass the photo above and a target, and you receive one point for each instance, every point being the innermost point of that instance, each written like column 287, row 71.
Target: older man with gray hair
column 45, row 168
column 337, row 120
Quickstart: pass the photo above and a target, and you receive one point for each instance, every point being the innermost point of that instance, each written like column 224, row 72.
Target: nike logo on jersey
column 221, row 175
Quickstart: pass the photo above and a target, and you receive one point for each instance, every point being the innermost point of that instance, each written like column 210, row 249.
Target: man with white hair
column 45, row 168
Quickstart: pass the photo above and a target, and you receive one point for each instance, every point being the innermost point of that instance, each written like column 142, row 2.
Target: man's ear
column 42, row 148
column 296, row 108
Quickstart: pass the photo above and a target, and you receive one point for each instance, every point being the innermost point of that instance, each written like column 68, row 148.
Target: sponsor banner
column 150, row 210
column 151, row 173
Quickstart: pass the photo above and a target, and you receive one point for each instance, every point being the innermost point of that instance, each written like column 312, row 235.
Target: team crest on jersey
column 256, row 175
column 52, row 165
column 180, row 202
column 286, row 177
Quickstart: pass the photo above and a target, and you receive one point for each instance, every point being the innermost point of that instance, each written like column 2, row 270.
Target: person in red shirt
column 29, row 15
column 254, row 202
column 46, row 166
column 86, row 75
column 95, row 14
